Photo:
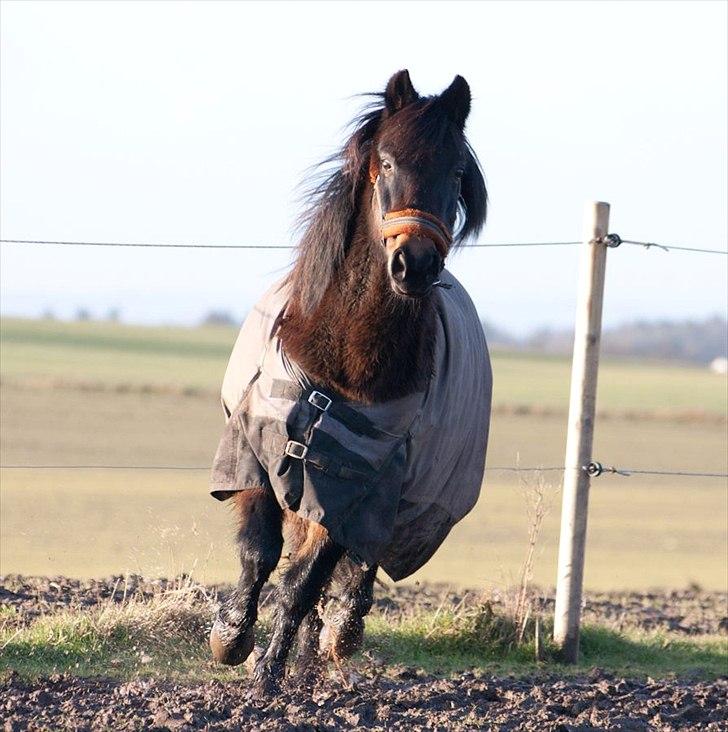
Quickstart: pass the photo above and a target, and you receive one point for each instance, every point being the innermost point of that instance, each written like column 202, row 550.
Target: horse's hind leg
column 299, row 590
column 343, row 631
column 260, row 541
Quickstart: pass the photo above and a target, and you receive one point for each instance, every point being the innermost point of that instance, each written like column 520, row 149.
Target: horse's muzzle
column 414, row 265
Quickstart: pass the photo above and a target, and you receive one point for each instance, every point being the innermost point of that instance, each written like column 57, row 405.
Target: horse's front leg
column 260, row 540
column 299, row 590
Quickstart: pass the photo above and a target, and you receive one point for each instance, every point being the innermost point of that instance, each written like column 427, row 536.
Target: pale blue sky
column 193, row 122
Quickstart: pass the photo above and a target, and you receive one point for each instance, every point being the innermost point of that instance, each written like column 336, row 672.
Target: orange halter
column 418, row 223
column 415, row 222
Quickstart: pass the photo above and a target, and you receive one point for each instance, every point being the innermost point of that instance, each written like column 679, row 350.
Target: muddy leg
column 307, row 656
column 299, row 533
column 297, row 593
column 260, row 541
column 343, row 632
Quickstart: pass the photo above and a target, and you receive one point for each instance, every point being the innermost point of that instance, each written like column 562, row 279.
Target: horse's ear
column 399, row 92
column 456, row 100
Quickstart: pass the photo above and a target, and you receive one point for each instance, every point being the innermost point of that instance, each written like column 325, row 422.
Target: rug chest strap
column 351, row 419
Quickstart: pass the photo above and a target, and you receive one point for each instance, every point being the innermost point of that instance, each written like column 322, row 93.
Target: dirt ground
column 409, row 701
column 374, row 698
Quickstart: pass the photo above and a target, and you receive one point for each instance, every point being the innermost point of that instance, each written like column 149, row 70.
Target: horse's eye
column 386, row 166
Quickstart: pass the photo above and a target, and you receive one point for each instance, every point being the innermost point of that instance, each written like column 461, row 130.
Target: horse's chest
column 332, row 462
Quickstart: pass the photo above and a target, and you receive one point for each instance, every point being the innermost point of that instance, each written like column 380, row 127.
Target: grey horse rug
column 388, row 481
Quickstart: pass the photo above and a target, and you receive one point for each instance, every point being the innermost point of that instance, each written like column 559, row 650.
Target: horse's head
column 422, row 173
column 407, row 166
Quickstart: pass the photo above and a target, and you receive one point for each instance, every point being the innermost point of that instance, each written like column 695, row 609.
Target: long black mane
column 333, row 196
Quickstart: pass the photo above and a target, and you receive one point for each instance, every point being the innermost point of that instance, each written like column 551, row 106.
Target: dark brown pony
column 360, row 323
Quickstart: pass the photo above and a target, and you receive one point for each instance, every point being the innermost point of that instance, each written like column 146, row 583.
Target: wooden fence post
column 582, row 403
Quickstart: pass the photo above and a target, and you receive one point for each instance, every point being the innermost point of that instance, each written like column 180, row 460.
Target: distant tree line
column 698, row 341
column 83, row 315
column 220, row 317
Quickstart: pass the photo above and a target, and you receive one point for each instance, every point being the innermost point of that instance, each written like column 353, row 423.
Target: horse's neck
column 363, row 341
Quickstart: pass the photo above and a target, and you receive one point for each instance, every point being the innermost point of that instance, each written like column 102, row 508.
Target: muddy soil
column 408, row 701
column 402, row 699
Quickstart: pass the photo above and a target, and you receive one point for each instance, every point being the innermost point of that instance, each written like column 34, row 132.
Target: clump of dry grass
column 538, row 498
column 516, row 619
column 140, row 633
column 180, row 610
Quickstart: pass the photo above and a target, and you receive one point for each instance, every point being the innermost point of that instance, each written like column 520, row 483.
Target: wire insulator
column 593, row 469
column 612, row 240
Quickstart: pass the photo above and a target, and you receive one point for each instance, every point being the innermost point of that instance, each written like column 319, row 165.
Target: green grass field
column 166, row 636
column 95, row 393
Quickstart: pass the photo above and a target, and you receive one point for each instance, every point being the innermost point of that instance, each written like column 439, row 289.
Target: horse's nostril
column 398, row 265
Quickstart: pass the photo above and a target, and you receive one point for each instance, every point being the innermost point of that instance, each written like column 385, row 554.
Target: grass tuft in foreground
column 485, row 640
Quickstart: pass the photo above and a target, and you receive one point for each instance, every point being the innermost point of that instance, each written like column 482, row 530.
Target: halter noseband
column 419, row 223
column 415, row 222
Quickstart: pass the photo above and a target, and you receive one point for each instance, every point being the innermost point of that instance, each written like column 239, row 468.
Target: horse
column 366, row 328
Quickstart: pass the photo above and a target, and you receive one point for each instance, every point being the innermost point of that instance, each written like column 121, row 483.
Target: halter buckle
column 319, row 400
column 296, row 449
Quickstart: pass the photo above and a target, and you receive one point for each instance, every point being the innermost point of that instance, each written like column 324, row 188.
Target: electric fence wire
column 594, row 469
column 613, row 240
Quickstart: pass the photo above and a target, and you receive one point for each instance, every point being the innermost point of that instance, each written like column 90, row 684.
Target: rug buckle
column 296, row 450
column 319, row 400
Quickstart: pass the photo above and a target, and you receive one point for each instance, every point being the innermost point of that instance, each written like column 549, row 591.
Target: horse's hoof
column 308, row 667
column 263, row 688
column 252, row 660
column 230, row 645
